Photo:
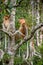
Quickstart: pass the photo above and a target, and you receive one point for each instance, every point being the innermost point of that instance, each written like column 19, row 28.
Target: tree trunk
column 11, row 49
column 31, row 41
column 41, row 35
column 12, row 42
column 37, row 20
column 32, row 49
column 5, row 42
column 41, row 19
column 0, row 37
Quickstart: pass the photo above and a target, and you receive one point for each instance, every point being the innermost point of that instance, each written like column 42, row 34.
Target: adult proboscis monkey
column 22, row 29
column 6, row 22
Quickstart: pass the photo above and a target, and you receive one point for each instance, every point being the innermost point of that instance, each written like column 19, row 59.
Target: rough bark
column 37, row 20
column 41, row 35
column 11, row 49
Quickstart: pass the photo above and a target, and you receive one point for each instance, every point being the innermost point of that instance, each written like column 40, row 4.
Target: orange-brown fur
column 6, row 22
column 22, row 29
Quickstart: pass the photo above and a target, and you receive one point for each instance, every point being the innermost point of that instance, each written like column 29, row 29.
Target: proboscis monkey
column 22, row 29
column 6, row 22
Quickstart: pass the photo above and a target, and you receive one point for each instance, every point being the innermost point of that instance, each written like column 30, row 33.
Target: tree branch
column 30, row 36
column 7, row 33
column 17, row 5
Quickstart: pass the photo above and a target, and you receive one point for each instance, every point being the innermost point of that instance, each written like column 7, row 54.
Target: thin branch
column 30, row 36
column 11, row 34
column 6, row 32
column 17, row 5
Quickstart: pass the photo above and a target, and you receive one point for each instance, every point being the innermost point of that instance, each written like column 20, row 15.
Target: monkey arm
column 26, row 31
column 3, row 26
column 21, row 34
column 18, row 32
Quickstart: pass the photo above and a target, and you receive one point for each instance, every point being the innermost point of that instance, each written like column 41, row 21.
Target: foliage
column 41, row 50
column 6, row 58
column 36, row 59
column 18, row 60
column 1, row 62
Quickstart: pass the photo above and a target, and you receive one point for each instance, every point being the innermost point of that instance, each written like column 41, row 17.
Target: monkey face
column 22, row 21
column 6, row 21
column 6, row 17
